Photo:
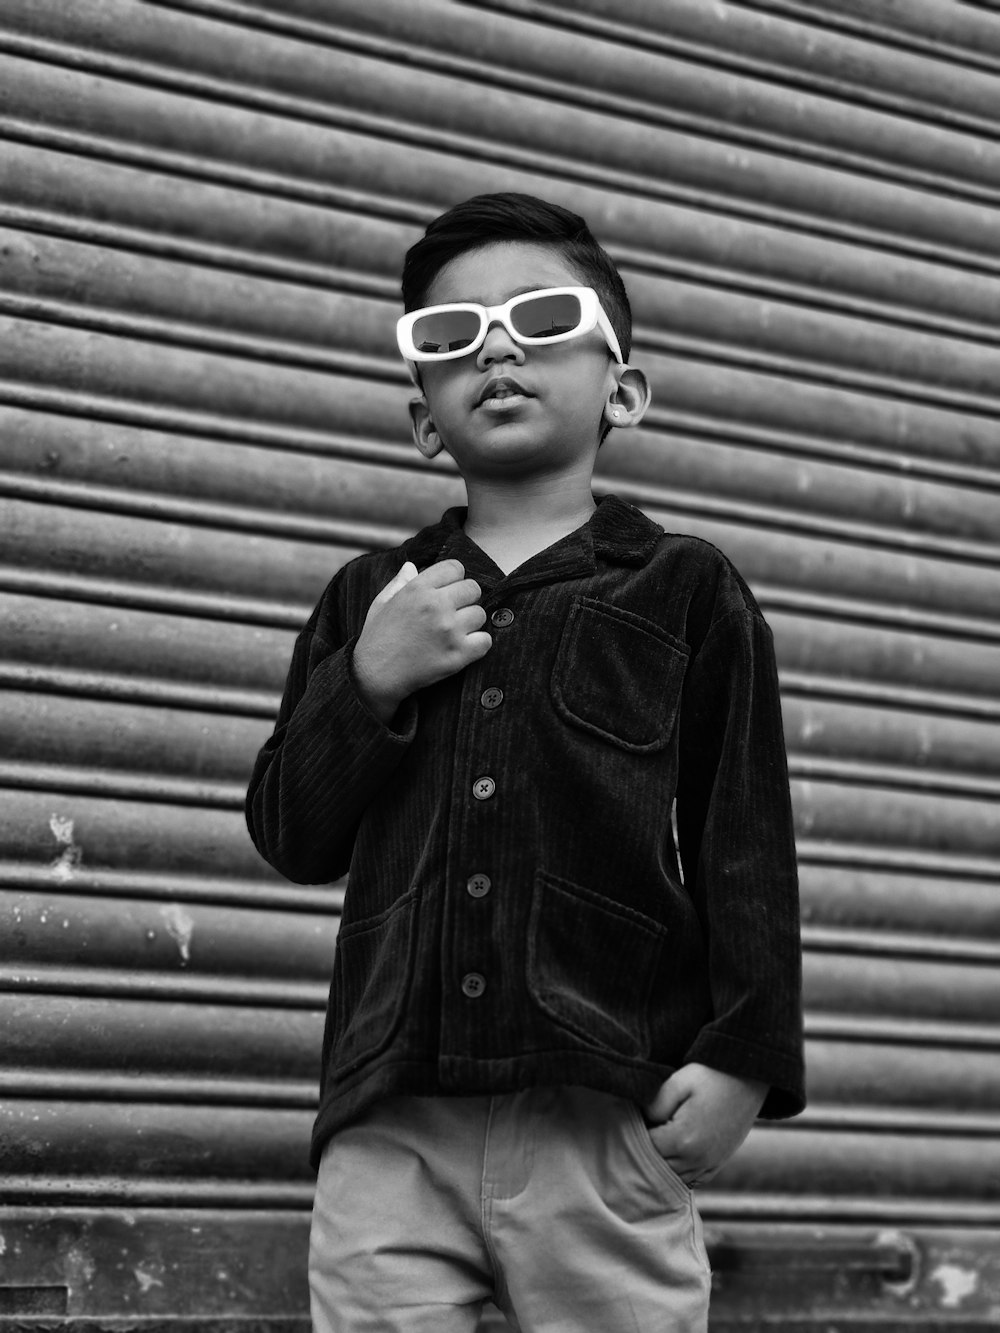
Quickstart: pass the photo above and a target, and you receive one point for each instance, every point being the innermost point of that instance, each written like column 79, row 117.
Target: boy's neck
column 511, row 524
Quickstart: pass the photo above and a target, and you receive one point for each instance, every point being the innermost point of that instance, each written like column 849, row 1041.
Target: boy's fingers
column 468, row 619
column 464, row 593
column 478, row 644
column 665, row 1142
column 667, row 1102
column 399, row 580
column 442, row 573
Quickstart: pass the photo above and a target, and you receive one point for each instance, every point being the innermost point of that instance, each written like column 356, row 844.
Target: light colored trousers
column 554, row 1203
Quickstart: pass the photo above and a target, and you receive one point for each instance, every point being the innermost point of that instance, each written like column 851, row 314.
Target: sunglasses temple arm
column 610, row 336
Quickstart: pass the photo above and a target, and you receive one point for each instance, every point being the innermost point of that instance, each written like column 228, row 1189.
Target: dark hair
column 488, row 218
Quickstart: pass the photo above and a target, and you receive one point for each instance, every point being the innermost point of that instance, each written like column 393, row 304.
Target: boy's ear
column 425, row 437
column 629, row 399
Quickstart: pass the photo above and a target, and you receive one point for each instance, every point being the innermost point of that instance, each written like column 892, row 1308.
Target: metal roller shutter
column 203, row 206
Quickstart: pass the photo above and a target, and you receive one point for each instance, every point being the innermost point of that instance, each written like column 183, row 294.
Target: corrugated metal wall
column 203, row 208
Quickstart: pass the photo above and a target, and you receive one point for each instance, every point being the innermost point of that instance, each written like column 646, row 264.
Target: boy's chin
column 519, row 450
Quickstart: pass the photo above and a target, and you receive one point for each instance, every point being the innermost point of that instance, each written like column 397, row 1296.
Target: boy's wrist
column 383, row 702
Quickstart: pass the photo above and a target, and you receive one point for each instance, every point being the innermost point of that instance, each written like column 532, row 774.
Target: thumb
column 671, row 1096
column 399, row 580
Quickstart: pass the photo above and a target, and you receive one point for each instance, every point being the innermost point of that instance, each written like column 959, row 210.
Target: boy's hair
column 490, row 218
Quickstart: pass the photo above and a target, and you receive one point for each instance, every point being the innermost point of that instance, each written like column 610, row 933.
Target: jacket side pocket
column 591, row 965
column 371, row 980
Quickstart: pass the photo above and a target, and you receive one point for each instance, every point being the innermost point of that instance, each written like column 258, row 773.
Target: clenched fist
column 700, row 1116
column 419, row 629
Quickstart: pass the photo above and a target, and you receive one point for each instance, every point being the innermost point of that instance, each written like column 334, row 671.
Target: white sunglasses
column 534, row 319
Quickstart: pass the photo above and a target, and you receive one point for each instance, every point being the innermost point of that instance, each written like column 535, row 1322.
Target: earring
column 615, row 413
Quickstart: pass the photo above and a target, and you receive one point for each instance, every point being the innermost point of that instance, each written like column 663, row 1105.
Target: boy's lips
column 500, row 388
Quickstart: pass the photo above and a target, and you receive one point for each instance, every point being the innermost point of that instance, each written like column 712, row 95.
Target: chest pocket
column 618, row 676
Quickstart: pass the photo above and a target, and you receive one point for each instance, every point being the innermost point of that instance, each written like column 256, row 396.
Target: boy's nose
column 498, row 345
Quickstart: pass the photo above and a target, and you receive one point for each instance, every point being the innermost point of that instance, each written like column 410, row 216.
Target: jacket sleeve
column 737, row 849
column 328, row 757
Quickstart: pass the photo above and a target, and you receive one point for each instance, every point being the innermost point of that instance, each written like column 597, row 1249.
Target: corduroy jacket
column 522, row 906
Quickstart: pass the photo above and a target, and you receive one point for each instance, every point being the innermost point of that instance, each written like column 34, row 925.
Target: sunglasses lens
column 545, row 316
column 445, row 331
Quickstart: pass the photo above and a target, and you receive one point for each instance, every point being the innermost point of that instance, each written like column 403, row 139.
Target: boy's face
column 549, row 411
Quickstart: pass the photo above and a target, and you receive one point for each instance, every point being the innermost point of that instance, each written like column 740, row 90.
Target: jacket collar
column 617, row 532
column 622, row 533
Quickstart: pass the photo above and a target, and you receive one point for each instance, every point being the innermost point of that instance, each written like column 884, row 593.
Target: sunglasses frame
column 592, row 316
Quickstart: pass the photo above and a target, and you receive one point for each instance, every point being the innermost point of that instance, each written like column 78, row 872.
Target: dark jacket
column 516, row 913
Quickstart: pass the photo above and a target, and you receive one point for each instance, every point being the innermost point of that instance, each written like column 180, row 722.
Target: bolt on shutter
column 203, row 210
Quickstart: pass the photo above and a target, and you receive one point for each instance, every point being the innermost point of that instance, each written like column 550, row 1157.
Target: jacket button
column 483, row 788
column 491, row 698
column 478, row 886
column 473, row 985
column 502, row 617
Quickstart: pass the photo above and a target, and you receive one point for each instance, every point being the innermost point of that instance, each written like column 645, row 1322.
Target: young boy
column 545, row 1025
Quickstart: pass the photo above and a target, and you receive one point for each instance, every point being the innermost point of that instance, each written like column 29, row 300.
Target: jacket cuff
column 783, row 1070
column 358, row 717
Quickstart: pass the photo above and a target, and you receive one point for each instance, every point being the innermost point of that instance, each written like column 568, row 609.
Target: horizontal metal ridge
column 898, row 944
column 203, row 513
column 848, row 379
column 916, row 619
column 131, row 785
column 197, row 513
column 701, row 48
column 939, row 45
column 558, row 14
column 311, row 527
column 124, row 411
column 779, row 441
column 93, row 1191
column 171, row 332
column 114, row 592
column 176, row 886
column 900, row 777
column 237, row 516
column 718, row 1204
column 902, row 1031
column 257, row 263
column 284, row 615
column 165, row 693
column 897, row 1120
column 811, row 524
column 943, row 865
column 153, row 1192
column 135, row 985
column 456, row 145
column 468, row 67
column 84, row 684
column 778, row 438
column 636, row 263
column 292, row 1094
column 802, row 368
column 228, row 258
column 106, row 1085
column 170, row 162
column 885, row 694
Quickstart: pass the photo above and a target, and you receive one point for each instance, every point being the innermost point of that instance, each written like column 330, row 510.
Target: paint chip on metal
column 180, row 926
column 68, row 860
column 957, row 1284
column 146, row 1280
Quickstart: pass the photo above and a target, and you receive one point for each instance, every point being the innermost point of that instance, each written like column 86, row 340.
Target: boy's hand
column 700, row 1117
column 419, row 629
